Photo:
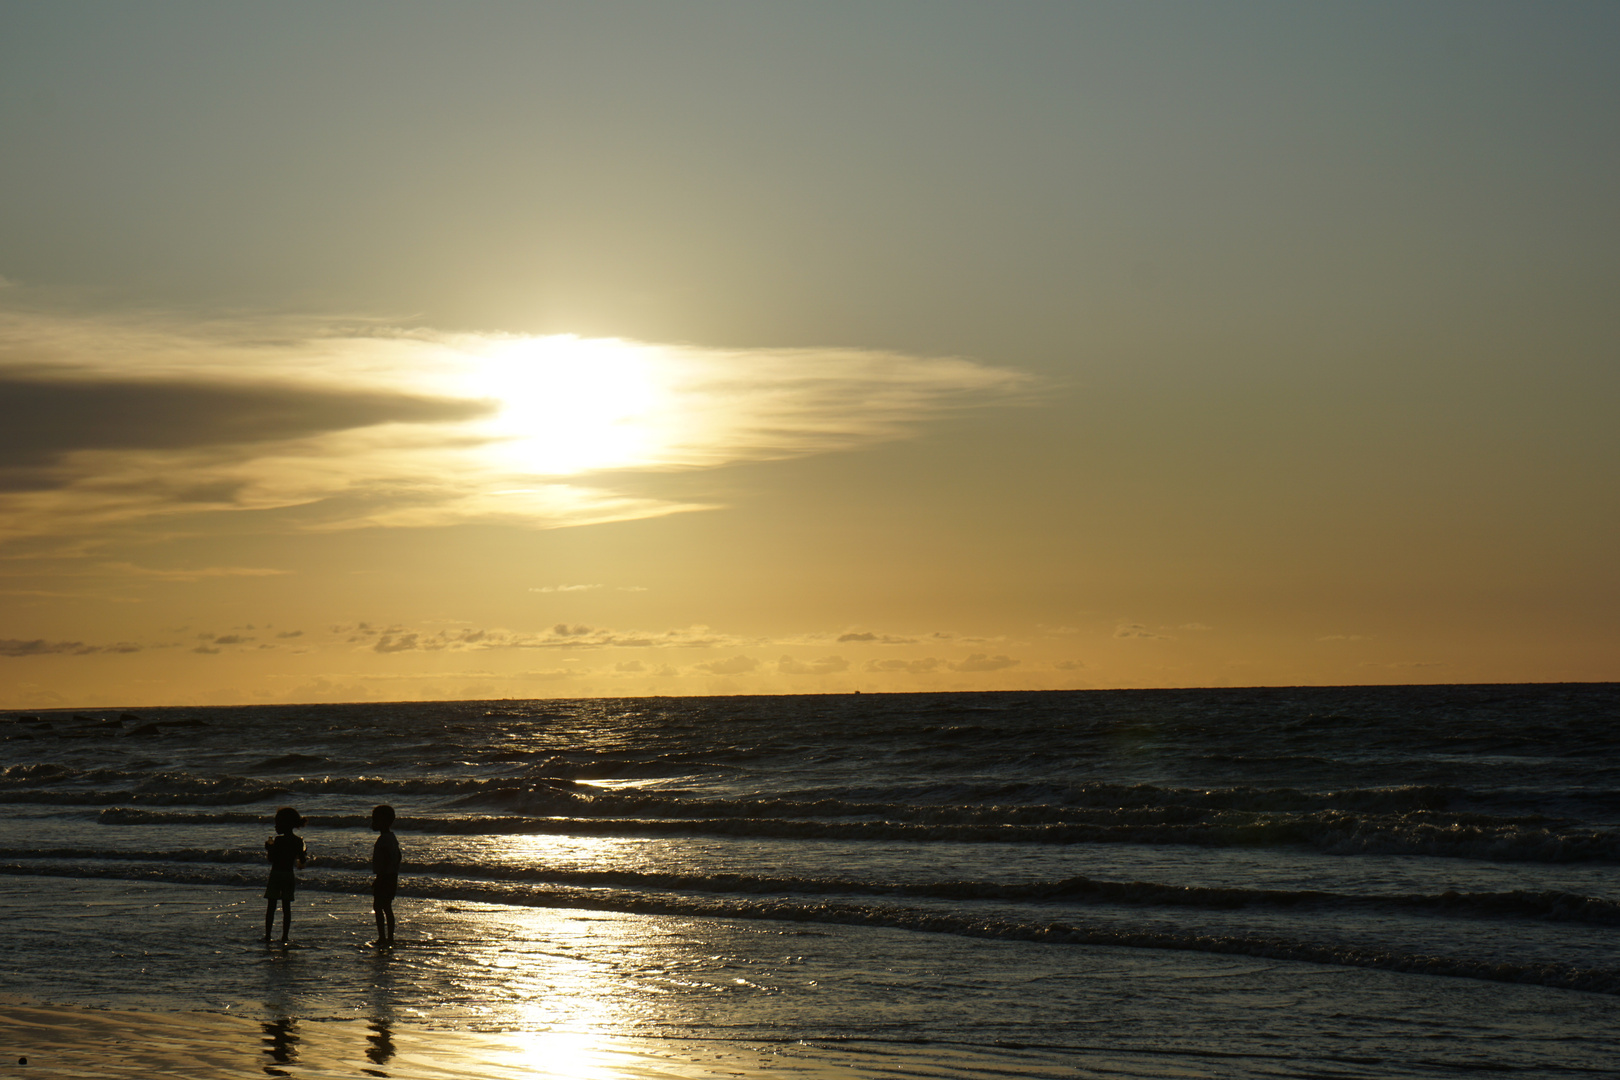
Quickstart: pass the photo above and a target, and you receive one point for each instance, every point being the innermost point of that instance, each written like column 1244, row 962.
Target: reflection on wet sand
column 281, row 1044
column 380, row 1048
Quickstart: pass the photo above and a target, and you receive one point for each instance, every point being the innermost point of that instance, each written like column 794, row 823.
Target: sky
column 408, row 351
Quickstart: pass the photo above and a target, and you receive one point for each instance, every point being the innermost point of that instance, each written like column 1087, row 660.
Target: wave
column 285, row 762
column 540, row 792
column 1329, row 833
column 1018, row 928
column 552, row 785
column 45, row 783
column 1551, row 905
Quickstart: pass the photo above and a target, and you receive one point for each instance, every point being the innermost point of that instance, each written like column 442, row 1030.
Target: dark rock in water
column 129, row 716
column 183, row 723
column 29, row 720
column 145, row 729
column 81, row 718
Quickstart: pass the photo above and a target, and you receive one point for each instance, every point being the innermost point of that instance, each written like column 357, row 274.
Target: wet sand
column 105, row 1044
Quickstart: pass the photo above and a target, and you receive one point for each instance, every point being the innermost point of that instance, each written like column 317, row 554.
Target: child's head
column 382, row 817
column 288, row 819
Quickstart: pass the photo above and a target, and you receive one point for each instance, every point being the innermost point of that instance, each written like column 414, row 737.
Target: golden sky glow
column 374, row 352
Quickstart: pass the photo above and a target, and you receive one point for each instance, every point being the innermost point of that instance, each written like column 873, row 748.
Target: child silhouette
column 286, row 850
column 385, row 864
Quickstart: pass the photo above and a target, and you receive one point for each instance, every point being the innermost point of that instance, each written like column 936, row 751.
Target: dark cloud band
column 43, row 419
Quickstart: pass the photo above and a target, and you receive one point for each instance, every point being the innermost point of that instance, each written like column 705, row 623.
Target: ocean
column 1291, row 882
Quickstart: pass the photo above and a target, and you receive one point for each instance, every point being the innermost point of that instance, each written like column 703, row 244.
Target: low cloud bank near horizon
column 105, row 422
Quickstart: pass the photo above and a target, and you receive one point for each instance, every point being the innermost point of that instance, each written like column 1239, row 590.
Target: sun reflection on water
column 565, row 1007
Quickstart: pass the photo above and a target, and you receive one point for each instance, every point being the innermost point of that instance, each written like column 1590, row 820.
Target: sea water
column 1386, row 881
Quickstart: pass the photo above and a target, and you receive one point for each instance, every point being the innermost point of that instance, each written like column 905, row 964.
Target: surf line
column 1553, row 975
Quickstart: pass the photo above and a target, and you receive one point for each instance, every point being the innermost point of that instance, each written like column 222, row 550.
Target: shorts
column 384, row 886
column 281, row 887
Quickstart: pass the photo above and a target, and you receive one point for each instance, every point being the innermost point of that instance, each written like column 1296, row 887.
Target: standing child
column 385, row 864
column 286, row 851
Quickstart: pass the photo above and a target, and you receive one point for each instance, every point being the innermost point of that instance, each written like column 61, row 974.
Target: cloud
column 913, row 667
column 206, row 650
column 564, row 588
column 737, row 665
column 560, row 636
column 390, row 643
column 1069, row 665
column 37, row 647
column 827, row 665
column 106, row 422
column 231, row 639
column 290, row 633
column 44, row 419
column 40, row 647
column 1137, row 630
column 981, row 662
column 198, row 574
column 630, row 667
column 879, row 639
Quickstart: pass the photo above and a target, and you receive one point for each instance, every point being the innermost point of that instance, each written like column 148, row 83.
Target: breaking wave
column 1602, row 980
column 1329, row 832
column 1552, row 905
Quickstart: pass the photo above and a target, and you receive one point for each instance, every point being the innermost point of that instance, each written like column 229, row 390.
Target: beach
column 115, row 1044
column 1214, row 884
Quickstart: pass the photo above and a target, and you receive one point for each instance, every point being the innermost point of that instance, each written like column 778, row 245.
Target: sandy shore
column 64, row 1041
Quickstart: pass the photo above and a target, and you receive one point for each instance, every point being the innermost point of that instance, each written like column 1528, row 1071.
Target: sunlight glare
column 568, row 404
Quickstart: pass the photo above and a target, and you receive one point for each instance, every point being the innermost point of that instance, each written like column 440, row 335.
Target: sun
column 568, row 405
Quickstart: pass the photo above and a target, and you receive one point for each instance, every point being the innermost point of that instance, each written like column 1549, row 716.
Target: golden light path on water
column 559, row 1009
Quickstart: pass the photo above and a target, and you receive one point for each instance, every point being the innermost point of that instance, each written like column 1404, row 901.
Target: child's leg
column 388, row 915
column 269, row 918
column 378, row 907
column 286, row 918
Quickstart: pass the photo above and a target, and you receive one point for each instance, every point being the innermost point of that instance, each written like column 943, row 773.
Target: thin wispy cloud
column 14, row 647
column 737, row 665
column 1137, row 630
column 105, row 422
column 983, row 662
column 184, row 574
column 826, row 665
column 397, row 639
column 921, row 666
